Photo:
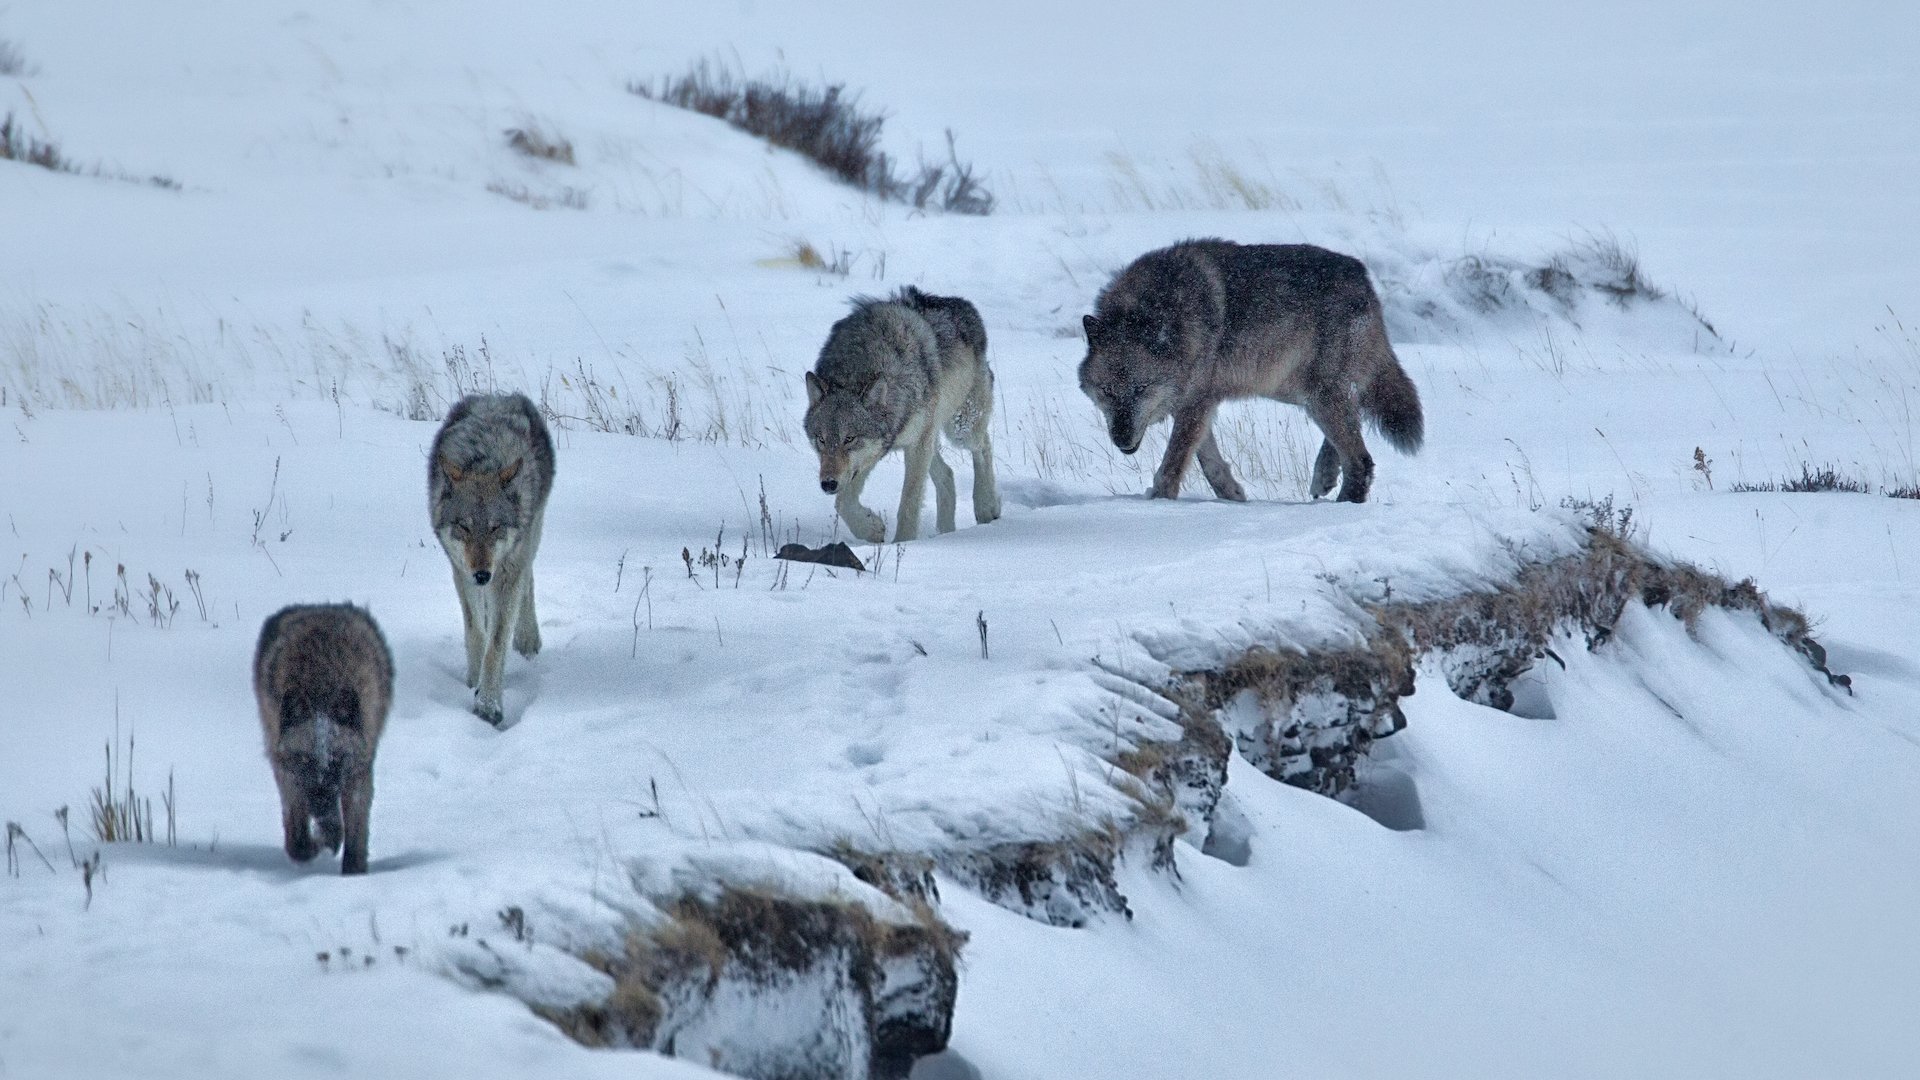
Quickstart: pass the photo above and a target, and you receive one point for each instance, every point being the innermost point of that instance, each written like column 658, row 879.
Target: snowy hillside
column 1106, row 788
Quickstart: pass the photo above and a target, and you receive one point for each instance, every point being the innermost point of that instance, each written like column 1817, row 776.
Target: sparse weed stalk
column 122, row 606
column 158, row 599
column 1703, row 465
column 17, row 835
column 161, row 605
column 260, row 517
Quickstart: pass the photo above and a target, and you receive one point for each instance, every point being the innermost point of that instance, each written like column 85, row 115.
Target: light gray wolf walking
column 488, row 477
column 894, row 374
column 1187, row 327
column 324, row 679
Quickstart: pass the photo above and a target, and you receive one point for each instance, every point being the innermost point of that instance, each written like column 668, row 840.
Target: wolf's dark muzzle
column 829, row 486
column 481, row 577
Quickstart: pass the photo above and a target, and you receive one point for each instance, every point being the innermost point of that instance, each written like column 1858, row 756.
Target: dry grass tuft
column 121, row 814
column 570, row 198
column 535, row 141
column 17, row 145
column 758, row 941
column 827, row 126
column 1812, row 479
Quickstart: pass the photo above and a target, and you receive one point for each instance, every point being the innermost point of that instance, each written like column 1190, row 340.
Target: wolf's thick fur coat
column 1187, row 327
column 489, row 473
column 895, row 374
column 323, row 677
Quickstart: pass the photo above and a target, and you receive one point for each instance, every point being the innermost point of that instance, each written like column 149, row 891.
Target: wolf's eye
column 459, row 532
column 848, row 441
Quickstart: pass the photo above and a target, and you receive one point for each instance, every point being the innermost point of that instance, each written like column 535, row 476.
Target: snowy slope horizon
column 1681, row 855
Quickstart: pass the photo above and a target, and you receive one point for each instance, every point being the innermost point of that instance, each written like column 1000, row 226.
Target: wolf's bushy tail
column 1393, row 404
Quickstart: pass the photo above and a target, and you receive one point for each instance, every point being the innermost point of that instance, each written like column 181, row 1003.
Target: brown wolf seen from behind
column 895, row 374
column 1187, row 327
column 323, row 677
column 488, row 477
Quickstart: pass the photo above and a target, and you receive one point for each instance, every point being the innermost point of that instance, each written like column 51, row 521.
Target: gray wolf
column 488, row 477
column 324, row 678
column 894, row 374
column 1187, row 327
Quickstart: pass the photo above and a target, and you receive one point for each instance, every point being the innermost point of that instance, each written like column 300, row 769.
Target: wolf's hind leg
column 324, row 804
column 943, row 497
column 969, row 428
column 986, row 495
column 526, row 632
column 1339, row 421
column 863, row 523
column 1218, row 473
column 1326, row 469
column 356, row 798
column 294, row 815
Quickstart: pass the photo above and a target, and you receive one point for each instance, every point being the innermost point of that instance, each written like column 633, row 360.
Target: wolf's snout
column 829, row 486
column 481, row 577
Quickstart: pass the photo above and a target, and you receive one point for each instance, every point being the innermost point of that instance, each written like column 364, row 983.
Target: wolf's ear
column 815, row 389
column 454, row 472
column 1092, row 327
column 507, row 474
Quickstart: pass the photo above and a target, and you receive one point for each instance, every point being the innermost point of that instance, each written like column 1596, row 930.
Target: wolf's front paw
column 986, row 510
column 526, row 641
column 488, row 710
column 1232, row 492
column 871, row 527
column 302, row 848
column 1163, row 490
column 1326, row 471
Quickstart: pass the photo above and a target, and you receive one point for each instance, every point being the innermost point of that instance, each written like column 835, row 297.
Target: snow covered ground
column 1679, row 856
